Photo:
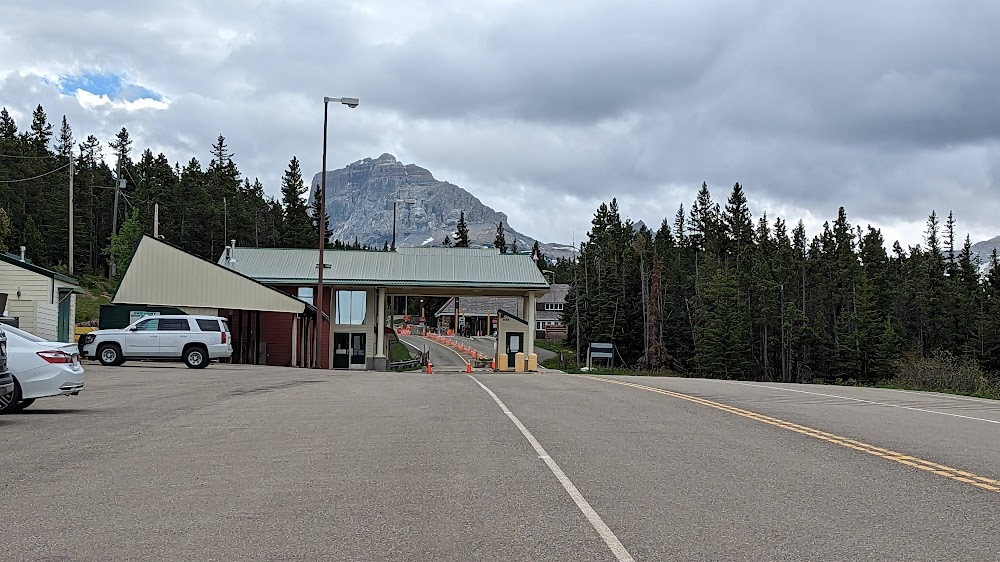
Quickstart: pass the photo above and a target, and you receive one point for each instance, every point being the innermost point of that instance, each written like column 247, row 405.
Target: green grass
column 97, row 291
column 399, row 352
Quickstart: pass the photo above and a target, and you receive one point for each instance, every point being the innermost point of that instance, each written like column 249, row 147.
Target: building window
column 351, row 307
column 306, row 294
column 553, row 306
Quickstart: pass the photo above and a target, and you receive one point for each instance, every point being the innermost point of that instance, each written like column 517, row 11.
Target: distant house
column 474, row 313
column 43, row 301
column 548, row 311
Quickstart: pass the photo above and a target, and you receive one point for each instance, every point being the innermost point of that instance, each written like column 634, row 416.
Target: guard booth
column 510, row 347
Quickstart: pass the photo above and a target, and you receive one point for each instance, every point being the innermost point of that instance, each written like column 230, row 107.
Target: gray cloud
column 545, row 109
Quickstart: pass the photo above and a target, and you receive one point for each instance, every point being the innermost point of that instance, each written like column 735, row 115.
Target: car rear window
column 174, row 325
column 208, row 325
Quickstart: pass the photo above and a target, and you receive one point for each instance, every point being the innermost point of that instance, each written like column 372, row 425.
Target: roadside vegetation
column 715, row 292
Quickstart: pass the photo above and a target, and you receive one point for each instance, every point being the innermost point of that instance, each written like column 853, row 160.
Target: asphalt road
column 441, row 356
column 166, row 463
column 486, row 345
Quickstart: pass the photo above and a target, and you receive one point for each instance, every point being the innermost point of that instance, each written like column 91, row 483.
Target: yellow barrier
column 519, row 362
column 79, row 331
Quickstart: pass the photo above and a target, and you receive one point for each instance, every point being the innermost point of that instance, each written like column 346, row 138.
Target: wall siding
column 276, row 331
column 46, row 320
column 33, row 287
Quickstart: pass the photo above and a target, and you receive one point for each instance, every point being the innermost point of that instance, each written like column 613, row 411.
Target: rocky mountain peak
column 359, row 202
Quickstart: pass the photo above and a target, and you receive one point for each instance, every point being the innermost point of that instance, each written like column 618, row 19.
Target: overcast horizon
column 543, row 111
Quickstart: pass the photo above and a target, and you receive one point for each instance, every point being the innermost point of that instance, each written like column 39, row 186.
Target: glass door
column 358, row 358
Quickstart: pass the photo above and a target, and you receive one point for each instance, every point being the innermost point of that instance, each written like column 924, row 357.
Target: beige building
column 268, row 295
column 43, row 301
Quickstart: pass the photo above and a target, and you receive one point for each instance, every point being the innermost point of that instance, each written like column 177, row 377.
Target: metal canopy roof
column 161, row 274
column 410, row 268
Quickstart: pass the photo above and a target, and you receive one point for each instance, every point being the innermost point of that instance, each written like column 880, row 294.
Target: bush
column 944, row 372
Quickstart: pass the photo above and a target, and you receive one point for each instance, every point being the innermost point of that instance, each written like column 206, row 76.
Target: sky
column 544, row 110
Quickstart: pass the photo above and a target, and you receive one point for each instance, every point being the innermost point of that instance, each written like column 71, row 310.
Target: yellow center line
column 908, row 460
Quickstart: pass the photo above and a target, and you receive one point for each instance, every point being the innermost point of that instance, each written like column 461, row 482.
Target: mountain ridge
column 359, row 200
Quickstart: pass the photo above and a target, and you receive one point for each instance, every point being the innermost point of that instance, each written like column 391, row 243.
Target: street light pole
column 318, row 298
column 394, row 201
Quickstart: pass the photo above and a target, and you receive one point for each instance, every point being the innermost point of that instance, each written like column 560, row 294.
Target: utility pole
column 71, row 211
column 114, row 216
column 156, row 221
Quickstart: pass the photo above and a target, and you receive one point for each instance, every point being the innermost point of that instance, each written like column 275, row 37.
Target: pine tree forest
column 715, row 293
column 201, row 206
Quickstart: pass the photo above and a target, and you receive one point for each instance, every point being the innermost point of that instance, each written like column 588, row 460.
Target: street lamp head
column 349, row 102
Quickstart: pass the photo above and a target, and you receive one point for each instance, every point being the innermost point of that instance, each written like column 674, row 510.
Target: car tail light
column 56, row 356
column 223, row 337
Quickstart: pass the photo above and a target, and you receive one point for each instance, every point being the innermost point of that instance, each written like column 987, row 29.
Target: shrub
column 943, row 372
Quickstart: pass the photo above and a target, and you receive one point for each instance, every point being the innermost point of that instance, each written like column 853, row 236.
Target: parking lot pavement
column 159, row 462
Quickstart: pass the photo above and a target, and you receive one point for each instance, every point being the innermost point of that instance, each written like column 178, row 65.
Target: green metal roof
column 410, row 267
column 27, row 264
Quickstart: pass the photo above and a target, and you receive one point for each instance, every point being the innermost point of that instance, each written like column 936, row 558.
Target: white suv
column 194, row 339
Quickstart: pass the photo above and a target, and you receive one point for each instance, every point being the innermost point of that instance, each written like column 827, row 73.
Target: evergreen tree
column 462, row 232
column 315, row 211
column 4, row 230
column 539, row 257
column 297, row 230
column 41, row 131
column 64, row 147
column 447, row 241
column 8, row 128
column 124, row 242
column 501, row 241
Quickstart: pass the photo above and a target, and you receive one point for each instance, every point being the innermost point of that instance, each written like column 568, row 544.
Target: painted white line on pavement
column 869, row 402
column 602, row 529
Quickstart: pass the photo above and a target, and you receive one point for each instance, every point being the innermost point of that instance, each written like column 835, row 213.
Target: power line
column 63, row 167
column 30, row 157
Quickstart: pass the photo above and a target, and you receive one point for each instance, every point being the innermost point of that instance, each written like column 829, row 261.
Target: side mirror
column 133, row 329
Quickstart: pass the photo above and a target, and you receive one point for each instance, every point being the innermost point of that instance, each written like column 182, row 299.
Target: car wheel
column 24, row 404
column 196, row 357
column 110, row 355
column 8, row 402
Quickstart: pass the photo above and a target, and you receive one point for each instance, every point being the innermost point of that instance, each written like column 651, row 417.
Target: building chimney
column 229, row 254
column 22, row 252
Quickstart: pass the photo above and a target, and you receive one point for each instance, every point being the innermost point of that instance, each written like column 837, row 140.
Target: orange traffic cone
column 493, row 363
column 430, row 368
column 468, row 367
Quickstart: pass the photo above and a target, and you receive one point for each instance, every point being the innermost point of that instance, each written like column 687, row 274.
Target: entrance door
column 64, row 320
column 514, row 340
column 341, row 351
column 358, row 351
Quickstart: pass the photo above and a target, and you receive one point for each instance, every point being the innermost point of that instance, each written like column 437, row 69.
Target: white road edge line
column 617, row 548
column 869, row 402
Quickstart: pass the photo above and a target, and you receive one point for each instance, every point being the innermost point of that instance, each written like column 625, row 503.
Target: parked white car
column 196, row 340
column 41, row 369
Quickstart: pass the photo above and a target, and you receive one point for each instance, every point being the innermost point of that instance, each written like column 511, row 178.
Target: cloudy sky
column 545, row 109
